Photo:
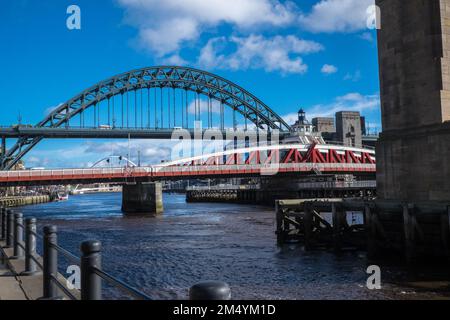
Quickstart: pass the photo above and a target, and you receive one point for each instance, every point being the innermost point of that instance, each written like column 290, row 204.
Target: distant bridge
column 292, row 159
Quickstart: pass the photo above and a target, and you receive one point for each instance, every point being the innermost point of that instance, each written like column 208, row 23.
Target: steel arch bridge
column 162, row 101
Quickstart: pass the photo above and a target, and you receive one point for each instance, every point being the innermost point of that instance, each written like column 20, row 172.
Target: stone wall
column 348, row 128
column 410, row 55
column 414, row 149
column 324, row 125
column 414, row 165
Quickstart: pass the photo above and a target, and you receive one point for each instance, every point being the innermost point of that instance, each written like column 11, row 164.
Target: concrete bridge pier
column 142, row 199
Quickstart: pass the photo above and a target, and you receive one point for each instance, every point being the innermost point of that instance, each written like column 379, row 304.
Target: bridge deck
column 123, row 175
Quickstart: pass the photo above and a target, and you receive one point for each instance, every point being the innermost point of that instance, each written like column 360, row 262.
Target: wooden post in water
column 445, row 231
column 372, row 246
column 280, row 231
column 308, row 224
column 336, row 211
column 408, row 229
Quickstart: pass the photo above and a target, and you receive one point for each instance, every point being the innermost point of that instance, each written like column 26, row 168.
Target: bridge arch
column 201, row 83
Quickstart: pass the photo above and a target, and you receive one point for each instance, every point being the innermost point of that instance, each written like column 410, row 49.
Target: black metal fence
column 22, row 238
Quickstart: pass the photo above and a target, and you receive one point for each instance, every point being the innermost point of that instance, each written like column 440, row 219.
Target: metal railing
column 92, row 275
column 160, row 171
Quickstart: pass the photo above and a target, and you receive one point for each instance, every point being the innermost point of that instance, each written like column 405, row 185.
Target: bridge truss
column 155, row 98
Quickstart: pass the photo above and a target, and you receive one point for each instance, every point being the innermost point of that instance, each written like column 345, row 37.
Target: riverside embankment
column 18, row 201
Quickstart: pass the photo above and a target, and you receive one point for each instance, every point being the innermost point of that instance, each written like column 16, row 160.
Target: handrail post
column 3, row 226
column 91, row 283
column 50, row 262
column 30, row 247
column 18, row 236
column 9, row 229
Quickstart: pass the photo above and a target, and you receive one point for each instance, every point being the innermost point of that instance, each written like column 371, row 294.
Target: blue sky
column 315, row 54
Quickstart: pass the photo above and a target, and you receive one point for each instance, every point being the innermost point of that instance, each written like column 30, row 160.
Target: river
column 192, row 242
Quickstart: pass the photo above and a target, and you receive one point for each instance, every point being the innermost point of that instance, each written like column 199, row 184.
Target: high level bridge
column 147, row 103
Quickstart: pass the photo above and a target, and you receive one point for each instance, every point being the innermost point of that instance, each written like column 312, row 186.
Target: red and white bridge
column 286, row 159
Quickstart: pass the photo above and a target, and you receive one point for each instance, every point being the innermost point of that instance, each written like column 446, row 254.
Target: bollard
column 3, row 225
column 50, row 262
column 210, row 290
column 18, row 237
column 30, row 247
column 91, row 283
column 9, row 229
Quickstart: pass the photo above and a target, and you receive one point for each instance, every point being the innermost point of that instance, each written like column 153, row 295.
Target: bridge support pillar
column 142, row 199
column 413, row 153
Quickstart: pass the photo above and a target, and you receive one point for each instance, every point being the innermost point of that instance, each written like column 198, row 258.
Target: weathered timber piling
column 415, row 230
column 317, row 224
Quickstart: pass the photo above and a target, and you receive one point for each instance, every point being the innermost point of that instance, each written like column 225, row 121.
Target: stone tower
column 414, row 55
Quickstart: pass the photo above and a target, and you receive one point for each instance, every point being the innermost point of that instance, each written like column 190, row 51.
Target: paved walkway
column 13, row 286
column 10, row 285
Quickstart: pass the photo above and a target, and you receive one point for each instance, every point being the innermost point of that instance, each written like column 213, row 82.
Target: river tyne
column 192, row 242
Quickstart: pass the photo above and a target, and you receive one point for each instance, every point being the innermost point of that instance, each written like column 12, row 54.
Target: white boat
column 61, row 197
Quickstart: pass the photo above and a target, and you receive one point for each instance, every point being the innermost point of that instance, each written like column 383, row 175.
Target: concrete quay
column 18, row 201
column 269, row 195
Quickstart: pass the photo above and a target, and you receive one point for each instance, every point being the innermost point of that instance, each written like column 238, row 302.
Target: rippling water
column 193, row 242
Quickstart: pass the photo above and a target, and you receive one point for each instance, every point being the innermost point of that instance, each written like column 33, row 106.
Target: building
column 303, row 131
column 363, row 126
column 302, row 124
column 324, row 125
column 348, row 128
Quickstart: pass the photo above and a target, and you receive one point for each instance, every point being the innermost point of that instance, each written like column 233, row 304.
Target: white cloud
column 152, row 151
column 349, row 102
column 367, row 36
column 86, row 153
column 329, row 69
column 279, row 53
column 164, row 25
column 355, row 76
column 204, row 106
column 337, row 16
column 174, row 60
